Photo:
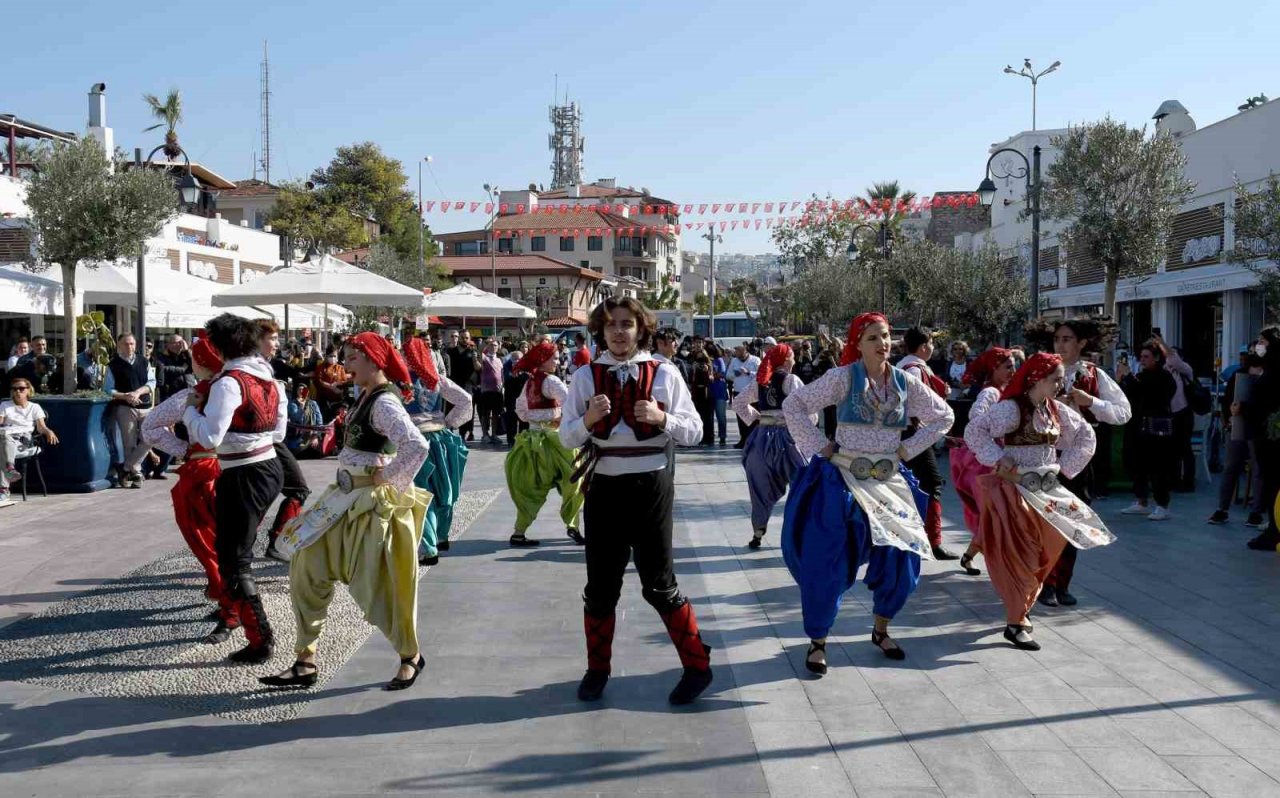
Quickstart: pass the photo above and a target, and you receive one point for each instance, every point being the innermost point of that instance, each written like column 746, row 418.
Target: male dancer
column 295, row 489
column 193, row 496
column 627, row 411
column 924, row 466
column 1091, row 391
column 244, row 415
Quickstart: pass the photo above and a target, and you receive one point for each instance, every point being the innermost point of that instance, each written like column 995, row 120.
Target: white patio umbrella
column 325, row 281
column 464, row 299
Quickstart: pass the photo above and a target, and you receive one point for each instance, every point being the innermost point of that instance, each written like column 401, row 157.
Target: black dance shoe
column 1048, row 596
column 397, row 683
column 815, row 666
column 519, row 541
column 1066, row 599
column 575, row 535
column 1021, row 638
column 940, row 553
column 690, row 686
column 220, row 634
column 879, row 638
column 966, row 565
column 592, row 685
column 756, row 538
column 254, row 655
column 425, row 560
column 296, row 680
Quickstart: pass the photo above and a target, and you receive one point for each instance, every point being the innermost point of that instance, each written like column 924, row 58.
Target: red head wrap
column 1037, row 367
column 383, row 355
column 857, row 327
column 980, row 369
column 202, row 352
column 531, row 362
column 774, row 358
column 418, row 353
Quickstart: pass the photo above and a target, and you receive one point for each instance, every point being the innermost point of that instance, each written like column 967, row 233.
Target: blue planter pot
column 79, row 463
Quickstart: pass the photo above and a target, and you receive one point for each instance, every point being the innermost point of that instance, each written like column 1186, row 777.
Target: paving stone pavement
column 1165, row 680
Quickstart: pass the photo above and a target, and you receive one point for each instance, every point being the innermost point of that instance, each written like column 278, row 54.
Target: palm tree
column 666, row 299
column 169, row 112
column 889, row 192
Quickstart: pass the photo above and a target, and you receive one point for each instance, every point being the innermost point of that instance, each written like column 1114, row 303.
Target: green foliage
column 1257, row 221
column 169, row 112
column 315, row 221
column 666, row 299
column 82, row 213
column 726, row 302
column 818, row 239
column 368, row 183
column 100, row 344
column 1118, row 192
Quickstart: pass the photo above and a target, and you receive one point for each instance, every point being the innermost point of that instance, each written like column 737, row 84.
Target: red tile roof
column 514, row 265
column 574, row 219
column 591, row 191
column 566, row 321
column 251, row 188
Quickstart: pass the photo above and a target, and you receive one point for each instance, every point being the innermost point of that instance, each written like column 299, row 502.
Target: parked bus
column 732, row 328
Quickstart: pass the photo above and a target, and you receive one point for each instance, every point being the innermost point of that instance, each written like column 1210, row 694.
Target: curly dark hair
column 266, row 327
column 646, row 323
column 233, row 336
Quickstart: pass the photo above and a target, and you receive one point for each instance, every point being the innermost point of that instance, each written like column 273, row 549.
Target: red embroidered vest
column 623, row 398
column 1087, row 381
column 537, row 400
column 258, row 410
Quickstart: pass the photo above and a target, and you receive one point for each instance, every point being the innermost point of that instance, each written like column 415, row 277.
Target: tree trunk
column 70, row 341
column 1109, row 289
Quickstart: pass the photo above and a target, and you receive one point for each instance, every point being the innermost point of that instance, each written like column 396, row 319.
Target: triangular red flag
column 715, row 207
column 488, row 207
column 430, row 204
column 444, row 206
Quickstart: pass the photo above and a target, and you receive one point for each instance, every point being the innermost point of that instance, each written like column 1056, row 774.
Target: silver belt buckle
column 345, row 483
column 864, row 468
column 1039, row 483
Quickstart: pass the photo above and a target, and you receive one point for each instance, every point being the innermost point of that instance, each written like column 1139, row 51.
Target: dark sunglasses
column 19, row 388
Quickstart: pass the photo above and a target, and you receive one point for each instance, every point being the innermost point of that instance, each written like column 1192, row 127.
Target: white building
column 1201, row 302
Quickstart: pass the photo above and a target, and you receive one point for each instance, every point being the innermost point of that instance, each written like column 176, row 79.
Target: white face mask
column 1260, row 350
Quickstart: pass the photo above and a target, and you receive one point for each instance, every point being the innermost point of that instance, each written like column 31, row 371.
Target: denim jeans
column 721, row 409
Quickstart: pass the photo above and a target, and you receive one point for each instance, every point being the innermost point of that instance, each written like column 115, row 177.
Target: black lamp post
column 189, row 190
column 1029, row 171
column 884, row 245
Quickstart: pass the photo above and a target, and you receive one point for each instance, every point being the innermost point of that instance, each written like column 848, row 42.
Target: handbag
column 1198, row 397
column 1157, row 427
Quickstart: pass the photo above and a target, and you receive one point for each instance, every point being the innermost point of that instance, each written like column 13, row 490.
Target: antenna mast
column 566, row 144
column 266, row 115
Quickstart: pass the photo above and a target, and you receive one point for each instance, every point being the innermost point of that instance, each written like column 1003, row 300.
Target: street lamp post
column 1030, row 74
column 1029, row 171
column 711, row 285
column 884, row 245
column 189, row 190
column 493, row 193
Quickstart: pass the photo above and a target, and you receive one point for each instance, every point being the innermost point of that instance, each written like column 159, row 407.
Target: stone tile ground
column 1163, row 681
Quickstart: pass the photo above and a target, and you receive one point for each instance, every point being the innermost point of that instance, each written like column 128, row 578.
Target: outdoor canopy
column 464, row 299
column 328, row 280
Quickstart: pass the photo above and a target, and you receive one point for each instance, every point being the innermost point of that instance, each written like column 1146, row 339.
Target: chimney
column 574, row 191
column 98, row 120
column 1173, row 118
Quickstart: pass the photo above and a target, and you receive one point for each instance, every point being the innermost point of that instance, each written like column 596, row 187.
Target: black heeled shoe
column 519, row 541
column 403, row 684
column 296, row 680
column 895, row 653
column 819, row 668
column 1020, row 636
column 756, row 538
column 966, row 565
column 575, row 535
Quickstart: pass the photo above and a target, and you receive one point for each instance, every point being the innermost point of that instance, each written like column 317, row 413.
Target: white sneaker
column 1136, row 509
column 1159, row 514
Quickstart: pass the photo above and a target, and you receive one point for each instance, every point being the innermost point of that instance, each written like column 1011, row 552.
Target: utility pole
column 711, row 285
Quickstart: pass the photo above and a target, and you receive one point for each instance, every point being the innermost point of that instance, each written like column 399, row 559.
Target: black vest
column 361, row 436
column 769, row 397
column 130, row 376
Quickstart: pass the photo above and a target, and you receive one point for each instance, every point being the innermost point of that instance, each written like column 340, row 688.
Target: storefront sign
column 1201, row 286
column 1203, row 248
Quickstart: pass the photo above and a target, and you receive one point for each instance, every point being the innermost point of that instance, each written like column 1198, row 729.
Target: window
column 503, row 281
column 542, row 281
column 624, row 243
column 595, row 243
column 538, row 244
column 505, row 293
column 504, row 244
column 566, row 243
column 586, row 264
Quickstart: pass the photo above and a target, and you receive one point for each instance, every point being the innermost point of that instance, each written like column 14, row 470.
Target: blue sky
column 699, row 101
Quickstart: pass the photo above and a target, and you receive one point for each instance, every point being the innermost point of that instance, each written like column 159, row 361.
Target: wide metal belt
column 773, row 421
column 879, row 467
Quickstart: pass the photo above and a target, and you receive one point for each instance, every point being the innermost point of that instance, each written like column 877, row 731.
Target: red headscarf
column 531, row 364
column 774, row 358
column 383, row 355
column 983, row 366
column 202, row 352
column 418, row 353
column 1037, row 367
column 857, row 327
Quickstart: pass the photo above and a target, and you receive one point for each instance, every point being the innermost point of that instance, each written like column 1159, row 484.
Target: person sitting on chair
column 20, row 420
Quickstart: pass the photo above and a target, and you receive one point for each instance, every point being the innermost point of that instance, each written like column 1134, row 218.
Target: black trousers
column 294, row 482
column 243, row 496
column 1083, row 485
column 490, row 412
column 706, row 411
column 629, row 516
column 1183, row 474
column 925, row 468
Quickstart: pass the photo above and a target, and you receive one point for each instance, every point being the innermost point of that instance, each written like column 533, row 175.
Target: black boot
column 591, row 688
column 691, row 685
column 220, row 634
column 1048, row 596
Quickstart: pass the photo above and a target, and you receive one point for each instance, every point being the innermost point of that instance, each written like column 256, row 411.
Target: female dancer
column 363, row 531
column 628, row 411
column 1028, row 517
column 770, row 457
column 441, row 474
column 539, row 462
column 193, row 502
column 992, row 370
column 857, row 502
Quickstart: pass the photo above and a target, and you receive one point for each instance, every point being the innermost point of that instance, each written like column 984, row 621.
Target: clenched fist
column 597, row 409
column 648, row 412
